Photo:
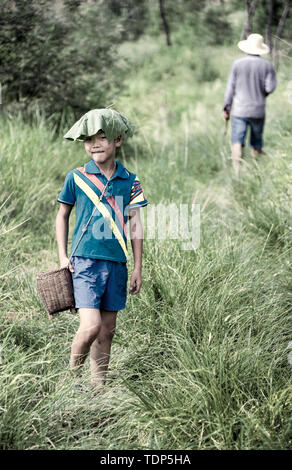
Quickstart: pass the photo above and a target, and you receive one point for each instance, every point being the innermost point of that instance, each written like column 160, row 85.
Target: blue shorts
column 99, row 283
column 239, row 130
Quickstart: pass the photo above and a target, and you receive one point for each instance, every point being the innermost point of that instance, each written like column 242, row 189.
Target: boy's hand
column 64, row 263
column 135, row 281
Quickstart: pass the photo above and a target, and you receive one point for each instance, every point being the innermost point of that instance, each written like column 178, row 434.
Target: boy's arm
column 136, row 234
column 62, row 228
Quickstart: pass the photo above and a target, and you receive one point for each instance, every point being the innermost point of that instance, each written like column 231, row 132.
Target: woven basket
column 55, row 289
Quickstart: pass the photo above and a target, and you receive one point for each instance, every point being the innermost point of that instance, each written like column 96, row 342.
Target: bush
column 206, row 72
column 60, row 59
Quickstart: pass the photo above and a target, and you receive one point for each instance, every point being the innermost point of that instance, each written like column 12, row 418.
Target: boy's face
column 100, row 149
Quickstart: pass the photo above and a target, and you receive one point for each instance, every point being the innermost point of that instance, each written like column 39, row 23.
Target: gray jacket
column 250, row 80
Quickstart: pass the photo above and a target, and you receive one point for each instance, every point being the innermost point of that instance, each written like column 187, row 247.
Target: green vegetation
column 62, row 56
column 199, row 358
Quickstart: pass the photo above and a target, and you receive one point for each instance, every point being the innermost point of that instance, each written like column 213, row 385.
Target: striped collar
column 121, row 171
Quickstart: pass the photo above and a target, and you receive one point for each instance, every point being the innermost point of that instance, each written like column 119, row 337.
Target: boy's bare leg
column 236, row 156
column 90, row 325
column 101, row 347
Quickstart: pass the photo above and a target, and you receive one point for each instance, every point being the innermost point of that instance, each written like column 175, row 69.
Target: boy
column 98, row 266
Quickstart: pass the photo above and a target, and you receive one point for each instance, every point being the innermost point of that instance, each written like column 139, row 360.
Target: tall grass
column 199, row 358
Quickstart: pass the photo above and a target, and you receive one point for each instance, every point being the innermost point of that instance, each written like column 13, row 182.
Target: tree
column 250, row 9
column 133, row 15
column 279, row 32
column 269, row 25
column 58, row 62
column 164, row 22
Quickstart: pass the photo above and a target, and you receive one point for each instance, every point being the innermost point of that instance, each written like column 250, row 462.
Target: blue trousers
column 239, row 130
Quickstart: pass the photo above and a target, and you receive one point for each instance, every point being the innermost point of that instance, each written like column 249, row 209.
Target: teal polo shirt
column 106, row 234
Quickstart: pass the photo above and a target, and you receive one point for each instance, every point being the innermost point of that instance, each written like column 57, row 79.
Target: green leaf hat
column 110, row 121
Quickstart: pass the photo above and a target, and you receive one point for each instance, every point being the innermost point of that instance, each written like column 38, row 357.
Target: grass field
column 200, row 356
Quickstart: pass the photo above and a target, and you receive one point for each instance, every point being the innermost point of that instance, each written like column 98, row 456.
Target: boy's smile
column 100, row 149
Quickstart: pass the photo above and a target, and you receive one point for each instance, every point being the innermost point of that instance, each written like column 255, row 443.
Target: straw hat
column 254, row 44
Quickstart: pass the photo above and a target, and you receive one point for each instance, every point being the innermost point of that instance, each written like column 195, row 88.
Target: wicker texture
column 55, row 289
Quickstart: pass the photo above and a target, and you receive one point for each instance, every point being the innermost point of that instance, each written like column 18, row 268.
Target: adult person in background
column 251, row 80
